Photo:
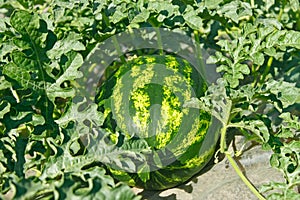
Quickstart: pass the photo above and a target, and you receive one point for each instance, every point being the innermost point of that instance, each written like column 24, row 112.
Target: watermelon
column 144, row 100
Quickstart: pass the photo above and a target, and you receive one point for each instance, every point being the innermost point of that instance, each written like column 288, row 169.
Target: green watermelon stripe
column 144, row 99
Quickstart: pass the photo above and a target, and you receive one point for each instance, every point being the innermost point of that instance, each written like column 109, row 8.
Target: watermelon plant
column 57, row 143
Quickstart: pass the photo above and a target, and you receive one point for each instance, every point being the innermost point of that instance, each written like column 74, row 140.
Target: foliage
column 43, row 43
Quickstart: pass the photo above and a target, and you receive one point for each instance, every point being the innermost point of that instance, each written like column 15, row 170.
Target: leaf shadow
column 187, row 187
column 169, row 194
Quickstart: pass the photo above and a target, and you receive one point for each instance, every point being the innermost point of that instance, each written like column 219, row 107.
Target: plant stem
column 223, row 149
column 223, row 146
column 159, row 41
column 132, row 35
column 270, row 61
column 268, row 67
column 15, row 94
column 281, row 10
column 225, row 123
column 118, row 48
column 252, row 3
column 243, row 177
column 298, row 21
column 199, row 56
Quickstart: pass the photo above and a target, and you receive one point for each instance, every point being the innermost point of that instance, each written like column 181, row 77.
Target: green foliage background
column 43, row 44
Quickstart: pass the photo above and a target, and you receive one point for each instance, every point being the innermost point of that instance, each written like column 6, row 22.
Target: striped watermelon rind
column 144, row 99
